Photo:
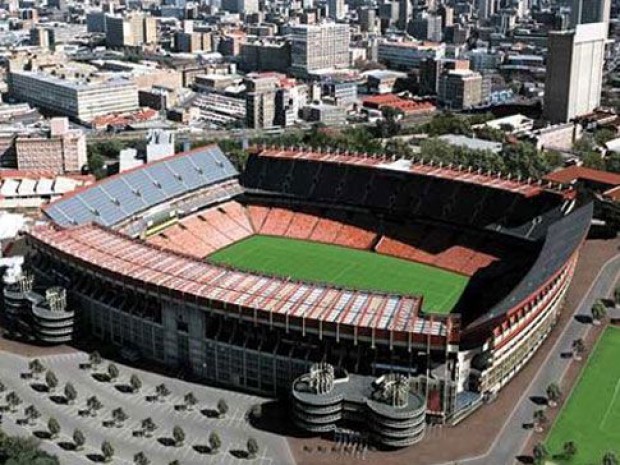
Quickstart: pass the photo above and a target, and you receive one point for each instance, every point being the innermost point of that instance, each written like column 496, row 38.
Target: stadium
column 317, row 269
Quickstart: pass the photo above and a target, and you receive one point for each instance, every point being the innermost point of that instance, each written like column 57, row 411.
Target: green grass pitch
column 591, row 415
column 342, row 266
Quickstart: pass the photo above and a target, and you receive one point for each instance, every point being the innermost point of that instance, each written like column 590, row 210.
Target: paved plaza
column 197, row 423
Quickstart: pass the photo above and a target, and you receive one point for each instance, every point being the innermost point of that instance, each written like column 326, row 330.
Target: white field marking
column 611, row 404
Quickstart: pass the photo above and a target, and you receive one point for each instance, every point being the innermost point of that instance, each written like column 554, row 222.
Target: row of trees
column 569, row 450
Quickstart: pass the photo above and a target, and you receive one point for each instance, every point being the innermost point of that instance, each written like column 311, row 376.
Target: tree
column 610, row 458
column 579, row 347
column 617, row 295
column 23, row 451
column 96, row 164
column 135, row 383
column 215, row 442
column 94, row 405
column 107, row 451
column 119, row 416
column 32, row 414
column 604, row 135
column 178, row 435
column 389, row 126
column 569, row 449
column 112, row 371
column 51, row 380
column 53, row 427
column 222, row 408
column 593, row 160
column 13, row 400
column 95, row 359
column 70, row 393
column 78, row 439
column 36, row 367
column 175, row 462
column 599, row 311
column 540, row 453
column 540, row 419
column 190, row 400
column 252, row 447
column 141, row 459
column 612, row 162
column 554, row 393
column 148, row 426
column 162, row 391
column 2, row 387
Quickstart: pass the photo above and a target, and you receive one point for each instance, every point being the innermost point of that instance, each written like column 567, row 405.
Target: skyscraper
column 336, row 9
column 590, row 11
column 319, row 46
column 574, row 71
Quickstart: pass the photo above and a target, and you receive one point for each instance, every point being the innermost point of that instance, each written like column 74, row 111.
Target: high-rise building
column 42, row 37
column 240, row 6
column 261, row 100
column 590, row 11
column 319, row 46
column 460, row 89
column 336, row 9
column 574, row 71
column 134, row 30
column 485, row 8
column 368, row 19
column 405, row 12
column 62, row 150
column 427, row 27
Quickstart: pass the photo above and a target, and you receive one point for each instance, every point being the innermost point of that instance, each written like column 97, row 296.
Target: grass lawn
column 591, row 416
column 316, row 262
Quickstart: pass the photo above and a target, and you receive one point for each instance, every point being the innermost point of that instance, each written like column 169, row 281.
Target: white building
column 80, row 100
column 318, row 47
column 574, row 71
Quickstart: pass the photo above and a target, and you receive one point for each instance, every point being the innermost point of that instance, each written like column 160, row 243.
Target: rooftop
column 577, row 173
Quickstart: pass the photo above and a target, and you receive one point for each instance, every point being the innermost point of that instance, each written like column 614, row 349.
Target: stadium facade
column 132, row 252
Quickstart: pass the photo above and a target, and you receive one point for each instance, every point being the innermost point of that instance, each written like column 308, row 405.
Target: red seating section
column 282, row 222
column 217, row 227
column 210, row 230
column 453, row 255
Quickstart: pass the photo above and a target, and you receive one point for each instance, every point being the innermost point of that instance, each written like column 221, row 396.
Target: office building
column 79, row 100
column 336, row 9
column 59, row 152
column 265, row 54
column 574, row 71
column 431, row 70
column 95, row 22
column 590, row 11
column 240, row 6
column 319, row 46
column 42, row 37
column 134, row 30
column 460, row 89
column 261, row 100
column 407, row 55
column 368, row 19
column 427, row 27
column 485, row 9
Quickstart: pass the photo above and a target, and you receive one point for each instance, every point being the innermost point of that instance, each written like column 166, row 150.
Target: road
column 512, row 438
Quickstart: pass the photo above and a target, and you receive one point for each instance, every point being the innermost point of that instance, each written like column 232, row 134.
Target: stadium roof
column 563, row 239
column 146, row 265
column 119, row 197
column 467, row 175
